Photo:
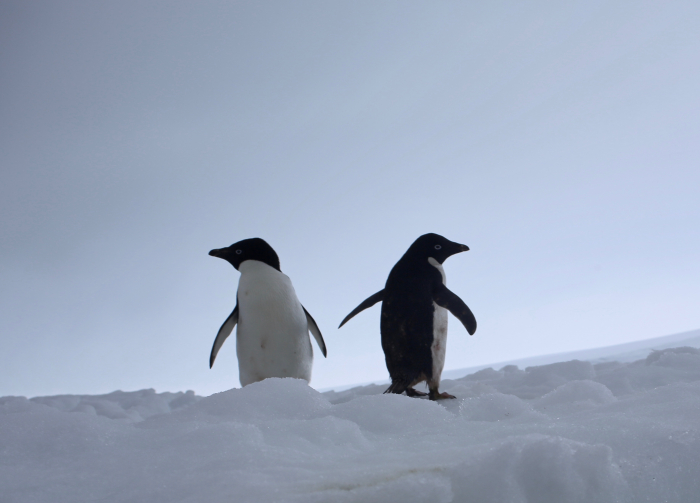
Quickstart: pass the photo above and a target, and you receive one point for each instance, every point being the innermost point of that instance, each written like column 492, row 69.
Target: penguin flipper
column 224, row 332
column 367, row 303
column 313, row 328
column 443, row 297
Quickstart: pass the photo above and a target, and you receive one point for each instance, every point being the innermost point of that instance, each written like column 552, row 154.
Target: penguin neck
column 437, row 265
column 255, row 267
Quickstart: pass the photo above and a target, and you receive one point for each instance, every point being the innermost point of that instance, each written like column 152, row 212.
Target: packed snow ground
column 571, row 431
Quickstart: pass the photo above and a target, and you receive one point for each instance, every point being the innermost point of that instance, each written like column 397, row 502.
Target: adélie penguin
column 413, row 325
column 272, row 338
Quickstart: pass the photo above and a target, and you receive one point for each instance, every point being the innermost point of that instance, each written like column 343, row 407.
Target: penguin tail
column 398, row 386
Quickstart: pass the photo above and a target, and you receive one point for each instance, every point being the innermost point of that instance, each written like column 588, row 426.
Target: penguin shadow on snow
column 413, row 323
column 272, row 338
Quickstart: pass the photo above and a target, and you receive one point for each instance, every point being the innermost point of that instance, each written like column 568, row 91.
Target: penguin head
column 248, row 249
column 435, row 246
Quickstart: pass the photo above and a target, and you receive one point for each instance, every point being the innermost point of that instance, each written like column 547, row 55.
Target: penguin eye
column 437, row 247
column 238, row 252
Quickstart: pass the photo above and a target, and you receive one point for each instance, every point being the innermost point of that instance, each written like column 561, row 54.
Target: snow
column 573, row 431
column 627, row 352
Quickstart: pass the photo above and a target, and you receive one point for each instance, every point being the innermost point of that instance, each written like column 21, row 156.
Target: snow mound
column 494, row 407
column 575, row 396
column 130, row 407
column 569, row 431
column 541, row 468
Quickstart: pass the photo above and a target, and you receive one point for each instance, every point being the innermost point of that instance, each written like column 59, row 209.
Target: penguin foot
column 414, row 392
column 434, row 395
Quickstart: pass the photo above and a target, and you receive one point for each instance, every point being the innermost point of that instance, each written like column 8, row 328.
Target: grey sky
column 558, row 140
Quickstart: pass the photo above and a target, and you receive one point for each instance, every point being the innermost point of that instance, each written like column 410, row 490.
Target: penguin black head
column 435, row 246
column 248, row 249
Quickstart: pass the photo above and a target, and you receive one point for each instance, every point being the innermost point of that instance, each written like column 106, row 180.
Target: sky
column 558, row 140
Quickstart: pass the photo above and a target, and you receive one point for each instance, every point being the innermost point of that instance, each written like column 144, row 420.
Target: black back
column 407, row 308
column 248, row 249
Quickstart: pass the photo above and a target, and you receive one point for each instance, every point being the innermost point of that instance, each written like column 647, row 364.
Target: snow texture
column 569, row 431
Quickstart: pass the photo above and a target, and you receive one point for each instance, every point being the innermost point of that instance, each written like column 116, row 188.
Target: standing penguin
column 414, row 316
column 272, row 338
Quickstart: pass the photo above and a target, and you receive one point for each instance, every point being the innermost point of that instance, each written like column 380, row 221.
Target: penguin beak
column 463, row 248
column 216, row 253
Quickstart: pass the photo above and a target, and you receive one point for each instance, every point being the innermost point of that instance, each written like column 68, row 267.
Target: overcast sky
column 558, row 140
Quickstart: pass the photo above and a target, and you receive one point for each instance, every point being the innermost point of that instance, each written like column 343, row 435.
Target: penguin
column 413, row 324
column 272, row 338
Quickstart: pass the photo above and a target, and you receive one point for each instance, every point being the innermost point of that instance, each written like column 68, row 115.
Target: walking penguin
column 413, row 325
column 272, row 339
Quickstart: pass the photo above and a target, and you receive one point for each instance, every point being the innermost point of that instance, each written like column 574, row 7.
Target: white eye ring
column 238, row 252
column 437, row 247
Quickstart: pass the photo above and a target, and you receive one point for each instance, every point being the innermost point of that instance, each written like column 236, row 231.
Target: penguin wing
column 313, row 328
column 367, row 303
column 224, row 332
column 443, row 297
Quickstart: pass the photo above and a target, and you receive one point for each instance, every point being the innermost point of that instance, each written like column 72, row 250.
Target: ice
column 567, row 431
column 494, row 407
column 541, row 468
column 573, row 397
column 129, row 407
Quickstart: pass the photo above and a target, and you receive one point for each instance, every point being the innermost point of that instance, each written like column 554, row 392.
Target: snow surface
column 626, row 352
column 569, row 431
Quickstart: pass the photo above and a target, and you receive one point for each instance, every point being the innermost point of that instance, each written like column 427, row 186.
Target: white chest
column 439, row 330
column 272, row 338
column 265, row 293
